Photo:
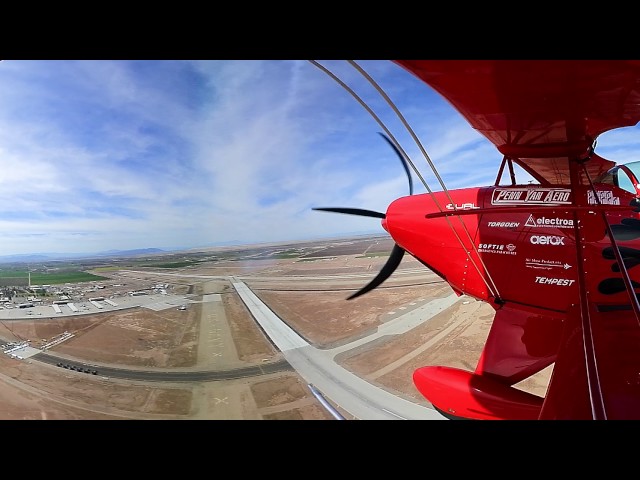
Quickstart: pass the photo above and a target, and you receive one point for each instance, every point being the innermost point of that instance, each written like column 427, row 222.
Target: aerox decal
column 547, row 240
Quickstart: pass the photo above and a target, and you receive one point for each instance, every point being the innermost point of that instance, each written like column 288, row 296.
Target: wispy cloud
column 98, row 155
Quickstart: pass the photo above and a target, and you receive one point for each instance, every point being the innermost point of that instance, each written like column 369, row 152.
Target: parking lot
column 154, row 302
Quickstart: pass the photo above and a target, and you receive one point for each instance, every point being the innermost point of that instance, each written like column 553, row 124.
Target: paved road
column 175, row 375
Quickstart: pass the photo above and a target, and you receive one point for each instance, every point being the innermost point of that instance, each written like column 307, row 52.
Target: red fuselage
column 525, row 252
column 545, row 261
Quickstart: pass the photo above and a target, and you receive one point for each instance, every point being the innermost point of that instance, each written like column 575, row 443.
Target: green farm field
column 54, row 278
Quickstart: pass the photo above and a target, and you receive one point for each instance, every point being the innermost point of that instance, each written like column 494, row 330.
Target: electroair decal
column 497, row 248
column 531, row 196
column 545, row 264
column 554, row 222
column 606, row 198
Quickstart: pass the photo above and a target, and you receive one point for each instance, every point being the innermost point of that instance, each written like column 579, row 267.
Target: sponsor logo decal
column 504, row 224
column 562, row 282
column 546, row 240
column 462, row 206
column 529, row 196
column 606, row 198
column 502, row 249
column 549, row 222
column 540, row 264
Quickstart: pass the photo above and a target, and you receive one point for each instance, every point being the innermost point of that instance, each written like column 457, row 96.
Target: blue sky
column 100, row 155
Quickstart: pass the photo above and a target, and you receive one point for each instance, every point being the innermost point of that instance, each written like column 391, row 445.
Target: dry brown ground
column 144, row 339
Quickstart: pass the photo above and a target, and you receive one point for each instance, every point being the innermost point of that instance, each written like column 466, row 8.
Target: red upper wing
column 540, row 113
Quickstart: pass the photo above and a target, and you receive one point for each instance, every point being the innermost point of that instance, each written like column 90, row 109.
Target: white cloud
column 96, row 155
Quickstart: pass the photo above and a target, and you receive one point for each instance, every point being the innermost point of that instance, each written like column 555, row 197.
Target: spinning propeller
column 397, row 252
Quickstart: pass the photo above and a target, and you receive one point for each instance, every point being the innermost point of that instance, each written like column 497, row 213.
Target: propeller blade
column 402, row 160
column 394, row 260
column 398, row 252
column 353, row 211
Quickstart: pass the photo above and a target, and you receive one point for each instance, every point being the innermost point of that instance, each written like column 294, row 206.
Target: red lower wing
column 596, row 374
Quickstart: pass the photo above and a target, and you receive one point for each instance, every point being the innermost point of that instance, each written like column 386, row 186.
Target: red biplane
column 557, row 258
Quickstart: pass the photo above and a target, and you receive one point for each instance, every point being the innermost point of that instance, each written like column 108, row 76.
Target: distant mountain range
column 44, row 257
column 51, row 256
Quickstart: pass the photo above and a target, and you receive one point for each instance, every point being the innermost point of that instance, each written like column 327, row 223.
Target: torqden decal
column 503, row 224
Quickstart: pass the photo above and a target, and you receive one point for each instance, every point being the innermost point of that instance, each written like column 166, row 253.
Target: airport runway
column 349, row 392
column 361, row 399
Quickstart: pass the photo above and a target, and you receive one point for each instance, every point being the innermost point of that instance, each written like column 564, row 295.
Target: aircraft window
column 634, row 184
column 624, row 176
column 634, row 167
column 625, row 182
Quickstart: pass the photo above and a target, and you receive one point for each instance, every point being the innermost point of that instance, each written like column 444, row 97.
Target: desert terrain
column 305, row 283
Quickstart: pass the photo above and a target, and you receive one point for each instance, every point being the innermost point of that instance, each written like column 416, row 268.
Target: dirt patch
column 251, row 342
column 135, row 337
column 33, row 391
column 327, row 318
column 287, row 399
